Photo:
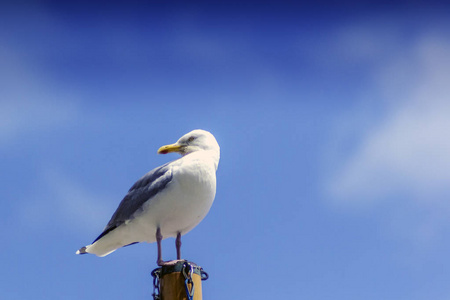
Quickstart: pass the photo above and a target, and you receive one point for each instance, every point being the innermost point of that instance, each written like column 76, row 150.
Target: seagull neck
column 215, row 155
column 212, row 155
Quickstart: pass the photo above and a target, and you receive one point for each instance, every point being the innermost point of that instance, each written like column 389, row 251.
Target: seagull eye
column 191, row 139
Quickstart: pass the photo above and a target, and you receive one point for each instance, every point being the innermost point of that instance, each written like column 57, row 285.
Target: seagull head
column 195, row 140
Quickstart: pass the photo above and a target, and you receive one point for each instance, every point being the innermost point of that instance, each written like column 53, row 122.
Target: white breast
column 183, row 204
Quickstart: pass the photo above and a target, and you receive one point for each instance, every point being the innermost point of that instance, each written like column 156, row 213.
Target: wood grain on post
column 172, row 282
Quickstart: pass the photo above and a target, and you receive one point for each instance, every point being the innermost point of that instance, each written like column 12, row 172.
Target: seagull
column 168, row 201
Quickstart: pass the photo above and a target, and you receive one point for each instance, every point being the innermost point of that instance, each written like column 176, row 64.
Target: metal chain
column 156, row 273
column 203, row 275
column 188, row 280
column 187, row 270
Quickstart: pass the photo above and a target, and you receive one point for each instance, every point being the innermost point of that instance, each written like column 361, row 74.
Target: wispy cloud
column 29, row 101
column 403, row 154
column 64, row 201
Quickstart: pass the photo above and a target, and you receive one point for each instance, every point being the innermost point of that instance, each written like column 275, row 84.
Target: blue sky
column 334, row 178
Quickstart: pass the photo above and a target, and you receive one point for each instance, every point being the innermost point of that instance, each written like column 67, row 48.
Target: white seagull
column 166, row 202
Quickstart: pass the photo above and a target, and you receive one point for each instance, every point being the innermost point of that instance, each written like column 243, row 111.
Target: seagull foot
column 162, row 263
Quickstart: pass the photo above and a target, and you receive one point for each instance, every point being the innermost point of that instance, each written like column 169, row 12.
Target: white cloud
column 32, row 115
column 29, row 101
column 61, row 200
column 403, row 156
column 410, row 147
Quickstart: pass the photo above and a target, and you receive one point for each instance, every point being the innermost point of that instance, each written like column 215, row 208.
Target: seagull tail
column 93, row 249
column 82, row 250
column 109, row 242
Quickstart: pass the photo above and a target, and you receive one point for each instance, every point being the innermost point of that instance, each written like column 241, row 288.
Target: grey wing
column 142, row 191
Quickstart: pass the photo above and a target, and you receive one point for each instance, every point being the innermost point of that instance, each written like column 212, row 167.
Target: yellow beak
column 169, row 148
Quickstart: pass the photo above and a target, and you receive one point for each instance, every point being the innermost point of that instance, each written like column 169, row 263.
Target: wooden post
column 174, row 278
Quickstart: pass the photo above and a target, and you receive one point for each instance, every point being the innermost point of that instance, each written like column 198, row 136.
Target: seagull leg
column 159, row 237
column 178, row 245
